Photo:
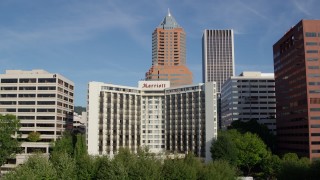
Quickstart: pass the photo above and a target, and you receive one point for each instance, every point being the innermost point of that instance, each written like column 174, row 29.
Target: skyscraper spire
column 169, row 54
column 169, row 22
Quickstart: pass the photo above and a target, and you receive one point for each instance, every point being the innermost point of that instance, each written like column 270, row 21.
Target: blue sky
column 110, row 40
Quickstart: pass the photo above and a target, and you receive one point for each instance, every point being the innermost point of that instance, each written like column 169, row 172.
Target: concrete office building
column 42, row 101
column 251, row 95
column 79, row 122
column 179, row 120
column 297, row 79
column 169, row 54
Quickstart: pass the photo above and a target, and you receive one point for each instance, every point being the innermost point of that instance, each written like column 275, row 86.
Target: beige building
column 169, row 54
column 42, row 101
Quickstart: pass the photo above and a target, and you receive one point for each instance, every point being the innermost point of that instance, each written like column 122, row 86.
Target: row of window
column 312, row 34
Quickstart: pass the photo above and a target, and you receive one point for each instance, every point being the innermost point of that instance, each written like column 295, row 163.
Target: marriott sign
column 154, row 84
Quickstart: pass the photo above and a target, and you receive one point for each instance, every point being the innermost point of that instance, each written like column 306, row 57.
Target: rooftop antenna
column 169, row 12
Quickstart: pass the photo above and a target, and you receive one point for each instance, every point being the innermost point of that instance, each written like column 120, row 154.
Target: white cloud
column 79, row 23
column 303, row 6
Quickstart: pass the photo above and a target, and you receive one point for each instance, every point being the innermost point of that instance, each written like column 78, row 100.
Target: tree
column 86, row 165
column 34, row 136
column 142, row 165
column 246, row 151
column 251, row 151
column 79, row 109
column 224, row 148
column 64, row 144
column 178, row 169
column 271, row 166
column 315, row 170
column 108, row 169
column 254, row 127
column 219, row 170
column 294, row 168
column 9, row 125
column 36, row 167
column 64, row 164
column 80, row 148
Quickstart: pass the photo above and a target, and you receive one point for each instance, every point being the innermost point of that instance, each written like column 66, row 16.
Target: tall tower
column 169, row 54
column 217, row 56
column 297, row 84
column 217, row 60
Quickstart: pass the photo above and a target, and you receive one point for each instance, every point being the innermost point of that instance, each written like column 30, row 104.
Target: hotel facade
column 43, row 102
column 176, row 120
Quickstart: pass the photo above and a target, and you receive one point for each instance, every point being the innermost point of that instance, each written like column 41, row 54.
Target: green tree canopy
column 37, row 167
column 64, row 144
column 254, row 127
column 251, row 151
column 246, row 151
column 64, row 164
column 219, row 170
column 224, row 148
column 294, row 168
column 9, row 145
column 34, row 136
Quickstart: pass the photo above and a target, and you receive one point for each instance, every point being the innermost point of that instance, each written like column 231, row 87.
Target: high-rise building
column 217, row 56
column 217, row 60
column 169, row 54
column 249, row 96
column 297, row 81
column 42, row 101
column 178, row 119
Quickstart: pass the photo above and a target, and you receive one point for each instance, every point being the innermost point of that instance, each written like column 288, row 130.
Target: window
column 46, row 88
column 311, row 43
column 46, row 95
column 313, row 67
column 8, row 88
column 311, row 34
column 314, row 91
column 46, row 102
column 314, row 109
column 27, row 102
column 46, row 80
column 312, row 59
column 314, row 75
column 312, row 51
column 316, row 151
column 315, row 117
column 314, row 83
column 9, row 80
column 315, row 125
column 8, row 102
column 29, row 80
column 27, row 88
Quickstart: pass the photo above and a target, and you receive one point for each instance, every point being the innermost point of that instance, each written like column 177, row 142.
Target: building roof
column 169, row 22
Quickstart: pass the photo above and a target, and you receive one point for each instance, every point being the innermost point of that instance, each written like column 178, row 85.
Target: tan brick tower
column 169, row 54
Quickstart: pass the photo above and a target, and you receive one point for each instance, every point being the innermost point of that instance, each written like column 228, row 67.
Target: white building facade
column 152, row 115
column 42, row 101
column 251, row 95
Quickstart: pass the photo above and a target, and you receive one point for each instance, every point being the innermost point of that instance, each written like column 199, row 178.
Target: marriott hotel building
column 178, row 120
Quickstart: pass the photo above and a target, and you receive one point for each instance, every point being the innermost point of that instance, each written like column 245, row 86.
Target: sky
column 110, row 40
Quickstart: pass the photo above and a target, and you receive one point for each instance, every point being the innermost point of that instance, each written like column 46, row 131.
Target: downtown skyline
column 111, row 41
